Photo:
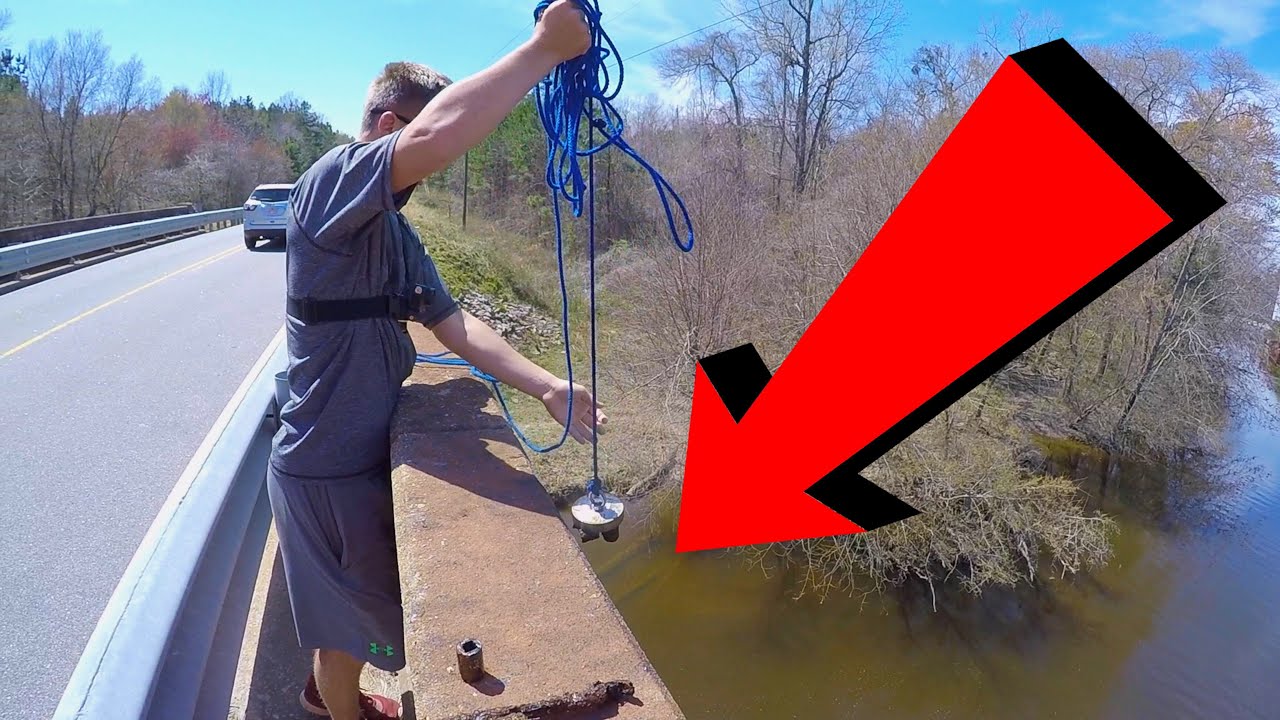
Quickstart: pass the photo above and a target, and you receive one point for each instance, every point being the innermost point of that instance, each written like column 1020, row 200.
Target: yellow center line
column 194, row 266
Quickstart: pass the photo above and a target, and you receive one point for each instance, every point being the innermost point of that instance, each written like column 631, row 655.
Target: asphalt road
column 110, row 377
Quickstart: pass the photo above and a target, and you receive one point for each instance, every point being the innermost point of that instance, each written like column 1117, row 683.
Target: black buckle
column 417, row 298
column 400, row 307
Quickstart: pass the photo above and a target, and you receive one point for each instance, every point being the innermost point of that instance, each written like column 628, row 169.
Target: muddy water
column 1183, row 623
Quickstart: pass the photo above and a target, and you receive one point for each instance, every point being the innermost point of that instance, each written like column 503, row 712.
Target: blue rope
column 562, row 101
column 580, row 90
column 594, row 489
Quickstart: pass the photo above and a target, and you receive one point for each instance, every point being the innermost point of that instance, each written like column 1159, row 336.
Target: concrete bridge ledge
column 484, row 555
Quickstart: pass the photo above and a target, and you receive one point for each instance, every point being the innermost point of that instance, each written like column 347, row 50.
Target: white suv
column 266, row 213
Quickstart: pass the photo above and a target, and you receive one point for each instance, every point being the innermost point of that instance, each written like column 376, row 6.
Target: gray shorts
column 338, row 542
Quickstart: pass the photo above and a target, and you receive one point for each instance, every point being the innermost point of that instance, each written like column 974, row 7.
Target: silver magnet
column 598, row 516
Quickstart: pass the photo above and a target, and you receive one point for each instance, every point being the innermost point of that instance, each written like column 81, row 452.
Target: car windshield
column 270, row 195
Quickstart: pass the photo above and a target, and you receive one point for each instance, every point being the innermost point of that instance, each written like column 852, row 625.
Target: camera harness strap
column 313, row 312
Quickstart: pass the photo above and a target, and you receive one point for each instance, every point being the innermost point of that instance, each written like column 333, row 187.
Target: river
column 1184, row 622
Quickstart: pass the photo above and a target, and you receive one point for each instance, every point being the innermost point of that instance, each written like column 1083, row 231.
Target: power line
column 507, row 44
column 629, row 9
column 634, row 5
column 705, row 27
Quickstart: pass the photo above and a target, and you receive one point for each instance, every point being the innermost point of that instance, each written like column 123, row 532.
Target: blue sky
column 326, row 51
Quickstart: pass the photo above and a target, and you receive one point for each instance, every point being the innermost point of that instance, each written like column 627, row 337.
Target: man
column 356, row 273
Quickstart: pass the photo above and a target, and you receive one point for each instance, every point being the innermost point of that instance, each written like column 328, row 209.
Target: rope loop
column 581, row 92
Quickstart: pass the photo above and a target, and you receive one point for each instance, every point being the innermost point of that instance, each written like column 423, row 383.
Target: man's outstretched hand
column 556, row 400
column 563, row 31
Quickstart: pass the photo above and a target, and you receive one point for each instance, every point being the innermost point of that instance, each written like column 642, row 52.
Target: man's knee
column 337, row 660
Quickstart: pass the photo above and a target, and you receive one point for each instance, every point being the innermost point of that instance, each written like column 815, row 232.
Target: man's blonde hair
column 401, row 87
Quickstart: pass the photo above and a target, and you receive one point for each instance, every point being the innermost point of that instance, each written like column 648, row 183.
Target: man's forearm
column 477, row 343
column 465, row 113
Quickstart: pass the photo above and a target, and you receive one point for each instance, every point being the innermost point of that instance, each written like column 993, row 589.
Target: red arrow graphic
column 1049, row 191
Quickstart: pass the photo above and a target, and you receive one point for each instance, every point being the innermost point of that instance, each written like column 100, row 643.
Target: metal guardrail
column 25, row 256
column 168, row 643
column 45, row 230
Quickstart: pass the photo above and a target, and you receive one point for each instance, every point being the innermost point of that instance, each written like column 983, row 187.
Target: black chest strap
column 321, row 311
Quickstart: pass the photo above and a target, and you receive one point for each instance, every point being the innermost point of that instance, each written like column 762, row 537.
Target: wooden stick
column 599, row 695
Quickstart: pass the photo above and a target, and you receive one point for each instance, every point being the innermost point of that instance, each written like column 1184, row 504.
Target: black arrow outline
column 740, row 375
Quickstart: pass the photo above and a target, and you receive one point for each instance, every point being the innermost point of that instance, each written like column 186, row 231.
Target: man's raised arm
column 468, row 111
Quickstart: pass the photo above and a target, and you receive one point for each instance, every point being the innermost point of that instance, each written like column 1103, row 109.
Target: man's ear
column 386, row 122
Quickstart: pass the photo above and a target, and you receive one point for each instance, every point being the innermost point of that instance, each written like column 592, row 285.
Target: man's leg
column 338, row 678
column 337, row 538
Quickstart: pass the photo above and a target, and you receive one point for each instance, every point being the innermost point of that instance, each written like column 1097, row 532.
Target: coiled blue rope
column 581, row 90
column 579, row 95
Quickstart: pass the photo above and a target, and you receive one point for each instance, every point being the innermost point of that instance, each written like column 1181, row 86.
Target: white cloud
column 1236, row 22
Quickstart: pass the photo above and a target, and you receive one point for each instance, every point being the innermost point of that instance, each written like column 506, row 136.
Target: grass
column 461, row 258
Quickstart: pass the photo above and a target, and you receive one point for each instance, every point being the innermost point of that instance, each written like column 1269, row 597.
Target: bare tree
column 127, row 91
column 1145, row 368
column 67, row 81
column 79, row 102
column 216, row 89
column 945, row 81
column 719, row 59
column 818, row 63
column 1025, row 31
column 1150, row 361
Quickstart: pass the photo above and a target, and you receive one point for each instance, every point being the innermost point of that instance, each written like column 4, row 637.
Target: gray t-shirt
column 348, row 239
